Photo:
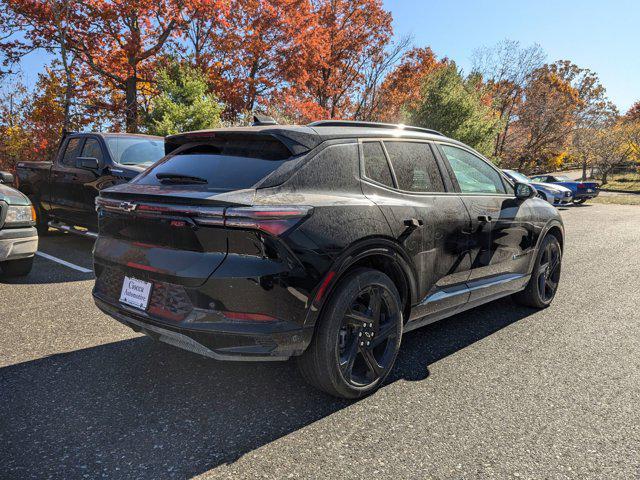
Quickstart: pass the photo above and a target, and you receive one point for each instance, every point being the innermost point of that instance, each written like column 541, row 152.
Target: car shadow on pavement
column 135, row 408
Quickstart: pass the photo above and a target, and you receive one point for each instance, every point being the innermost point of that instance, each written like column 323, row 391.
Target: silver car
column 18, row 237
column 556, row 195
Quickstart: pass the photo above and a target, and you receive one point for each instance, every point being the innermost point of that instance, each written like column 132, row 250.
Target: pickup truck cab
column 18, row 237
column 63, row 191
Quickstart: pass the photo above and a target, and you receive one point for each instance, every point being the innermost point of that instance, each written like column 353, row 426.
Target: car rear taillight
column 272, row 220
column 581, row 185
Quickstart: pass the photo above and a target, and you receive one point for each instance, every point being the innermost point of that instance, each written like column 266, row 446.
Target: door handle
column 484, row 218
column 413, row 223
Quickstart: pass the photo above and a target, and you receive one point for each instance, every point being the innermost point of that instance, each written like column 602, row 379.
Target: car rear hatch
column 171, row 223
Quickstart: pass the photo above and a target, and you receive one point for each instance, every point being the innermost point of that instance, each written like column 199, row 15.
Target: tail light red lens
column 269, row 219
column 272, row 220
column 581, row 185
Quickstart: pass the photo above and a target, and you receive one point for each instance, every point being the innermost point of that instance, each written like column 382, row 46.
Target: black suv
column 325, row 241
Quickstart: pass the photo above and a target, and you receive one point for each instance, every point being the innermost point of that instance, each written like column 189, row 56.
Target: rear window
column 205, row 167
column 135, row 150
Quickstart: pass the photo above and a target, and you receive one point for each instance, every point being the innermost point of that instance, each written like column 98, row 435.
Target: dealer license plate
column 135, row 293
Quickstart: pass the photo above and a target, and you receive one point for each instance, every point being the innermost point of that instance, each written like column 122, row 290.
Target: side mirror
column 524, row 191
column 88, row 163
column 6, row 177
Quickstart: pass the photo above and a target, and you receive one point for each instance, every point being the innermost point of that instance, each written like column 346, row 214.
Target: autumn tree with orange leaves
column 253, row 51
column 345, row 34
column 400, row 91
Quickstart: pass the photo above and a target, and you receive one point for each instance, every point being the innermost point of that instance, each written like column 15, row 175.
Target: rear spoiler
column 276, row 143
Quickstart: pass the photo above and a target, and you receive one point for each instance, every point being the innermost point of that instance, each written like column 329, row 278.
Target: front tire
column 17, row 268
column 358, row 336
column 542, row 287
column 42, row 219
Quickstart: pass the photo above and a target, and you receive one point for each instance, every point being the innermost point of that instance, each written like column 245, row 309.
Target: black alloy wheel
column 549, row 271
column 358, row 336
column 367, row 337
column 543, row 285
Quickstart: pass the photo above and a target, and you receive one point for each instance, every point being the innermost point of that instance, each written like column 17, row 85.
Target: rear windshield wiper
column 179, row 178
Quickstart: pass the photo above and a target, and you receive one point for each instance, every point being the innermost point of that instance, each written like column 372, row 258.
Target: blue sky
column 599, row 35
column 603, row 36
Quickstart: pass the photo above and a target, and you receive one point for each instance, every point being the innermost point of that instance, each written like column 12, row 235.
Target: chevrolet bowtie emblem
column 127, row 206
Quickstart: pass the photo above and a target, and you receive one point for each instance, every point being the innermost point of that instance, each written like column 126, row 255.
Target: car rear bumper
column 17, row 243
column 586, row 195
column 210, row 335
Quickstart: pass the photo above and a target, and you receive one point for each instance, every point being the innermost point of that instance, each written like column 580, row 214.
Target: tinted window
column 135, row 150
column 376, row 166
column 415, row 167
column 71, row 151
column 92, row 149
column 474, row 175
column 219, row 172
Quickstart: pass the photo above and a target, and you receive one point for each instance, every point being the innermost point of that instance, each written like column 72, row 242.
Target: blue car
column 582, row 191
column 554, row 194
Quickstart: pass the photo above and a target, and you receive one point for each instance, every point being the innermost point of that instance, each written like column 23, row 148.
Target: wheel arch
column 381, row 254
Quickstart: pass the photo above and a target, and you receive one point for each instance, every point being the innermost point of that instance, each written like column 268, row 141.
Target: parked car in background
column 63, row 192
column 554, row 194
column 582, row 191
column 18, row 237
column 325, row 242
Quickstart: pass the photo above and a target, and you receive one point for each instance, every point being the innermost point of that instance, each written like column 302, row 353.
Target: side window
column 376, row 166
column 474, row 175
column 71, row 151
column 92, row 149
column 415, row 167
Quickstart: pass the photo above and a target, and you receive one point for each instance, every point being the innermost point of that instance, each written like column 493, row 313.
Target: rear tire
column 42, row 219
column 543, row 285
column 17, row 268
column 357, row 338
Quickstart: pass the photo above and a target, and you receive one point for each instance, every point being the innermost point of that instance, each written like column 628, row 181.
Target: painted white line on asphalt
column 63, row 262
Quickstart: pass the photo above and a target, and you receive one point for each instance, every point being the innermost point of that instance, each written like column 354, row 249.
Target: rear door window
column 204, row 167
column 376, row 167
column 415, row 166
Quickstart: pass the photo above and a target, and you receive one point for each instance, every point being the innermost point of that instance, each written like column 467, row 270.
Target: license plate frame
column 136, row 293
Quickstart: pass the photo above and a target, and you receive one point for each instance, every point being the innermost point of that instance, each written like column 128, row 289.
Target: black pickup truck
column 63, row 191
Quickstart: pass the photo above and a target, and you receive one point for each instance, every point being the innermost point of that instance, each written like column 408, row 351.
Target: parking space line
column 64, row 262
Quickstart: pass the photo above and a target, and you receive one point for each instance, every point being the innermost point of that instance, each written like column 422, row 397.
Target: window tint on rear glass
column 71, row 151
column 415, row 167
column 214, row 171
column 376, row 166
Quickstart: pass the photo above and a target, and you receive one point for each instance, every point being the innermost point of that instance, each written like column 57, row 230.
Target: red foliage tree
column 344, row 36
column 401, row 89
column 253, row 51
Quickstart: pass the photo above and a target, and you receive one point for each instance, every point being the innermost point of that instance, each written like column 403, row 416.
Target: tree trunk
column 131, row 104
column 584, row 169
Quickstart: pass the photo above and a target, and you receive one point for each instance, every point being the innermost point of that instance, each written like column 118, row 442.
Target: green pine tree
column 453, row 106
column 184, row 102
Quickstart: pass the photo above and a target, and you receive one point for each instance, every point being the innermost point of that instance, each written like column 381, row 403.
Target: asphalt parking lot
column 500, row 391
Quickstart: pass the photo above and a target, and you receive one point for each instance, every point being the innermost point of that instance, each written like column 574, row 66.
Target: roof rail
column 355, row 123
